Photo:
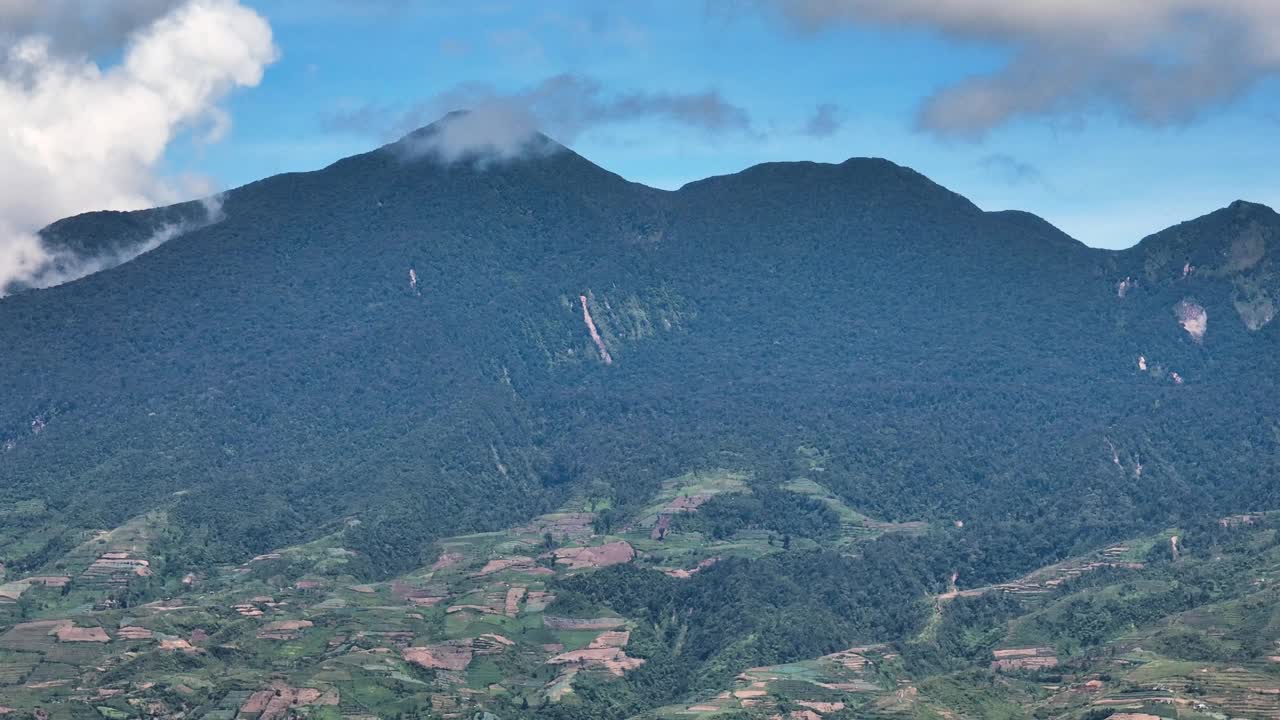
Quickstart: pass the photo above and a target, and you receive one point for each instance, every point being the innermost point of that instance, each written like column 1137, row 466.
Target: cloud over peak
column 1157, row 62
column 502, row 124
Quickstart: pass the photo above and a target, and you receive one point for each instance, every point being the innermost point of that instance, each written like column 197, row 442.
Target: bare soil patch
column 514, row 596
column 612, row 639
column 1030, row 658
column 605, row 652
column 490, row 643
column 560, row 525
column 581, row 558
column 683, row 574
column 133, row 632
column 454, row 655
column 823, row 708
column 283, row 629
column 177, row 644
column 518, row 563
column 686, row 503
column 71, row 633
column 281, row 701
column 422, row 597
column 52, row 581
column 613, row 660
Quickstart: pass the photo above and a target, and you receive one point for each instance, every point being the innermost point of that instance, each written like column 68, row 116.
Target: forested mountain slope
column 277, row 372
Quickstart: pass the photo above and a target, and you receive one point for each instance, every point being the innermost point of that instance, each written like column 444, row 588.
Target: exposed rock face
column 1193, row 318
column 1124, row 286
column 595, row 334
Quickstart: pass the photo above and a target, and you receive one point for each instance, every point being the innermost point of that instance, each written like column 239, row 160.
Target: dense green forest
column 277, row 369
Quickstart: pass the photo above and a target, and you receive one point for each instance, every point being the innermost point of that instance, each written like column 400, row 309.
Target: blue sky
column 349, row 72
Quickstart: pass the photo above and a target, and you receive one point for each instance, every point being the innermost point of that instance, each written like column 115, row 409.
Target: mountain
column 393, row 351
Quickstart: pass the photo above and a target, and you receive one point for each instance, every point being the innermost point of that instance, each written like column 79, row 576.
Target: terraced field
column 295, row 633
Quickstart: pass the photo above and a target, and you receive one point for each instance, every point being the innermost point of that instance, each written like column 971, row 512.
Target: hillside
column 680, row 610
column 368, row 360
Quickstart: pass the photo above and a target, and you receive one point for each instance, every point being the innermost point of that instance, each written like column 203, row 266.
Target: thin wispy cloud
column 1012, row 171
column 824, row 122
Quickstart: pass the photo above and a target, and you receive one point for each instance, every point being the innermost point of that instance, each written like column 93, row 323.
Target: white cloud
column 57, row 266
column 491, row 127
column 1156, row 61
column 80, row 137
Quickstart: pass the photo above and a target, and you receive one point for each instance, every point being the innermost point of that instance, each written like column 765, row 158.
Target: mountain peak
column 494, row 132
column 872, row 183
column 1245, row 208
column 1228, row 241
column 1236, row 216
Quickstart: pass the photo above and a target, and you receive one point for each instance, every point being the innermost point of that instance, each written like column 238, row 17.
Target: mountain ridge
column 75, row 233
column 509, row 248
column 252, row 325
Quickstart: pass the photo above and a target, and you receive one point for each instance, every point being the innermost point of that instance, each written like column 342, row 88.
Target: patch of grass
column 975, row 694
column 483, row 672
